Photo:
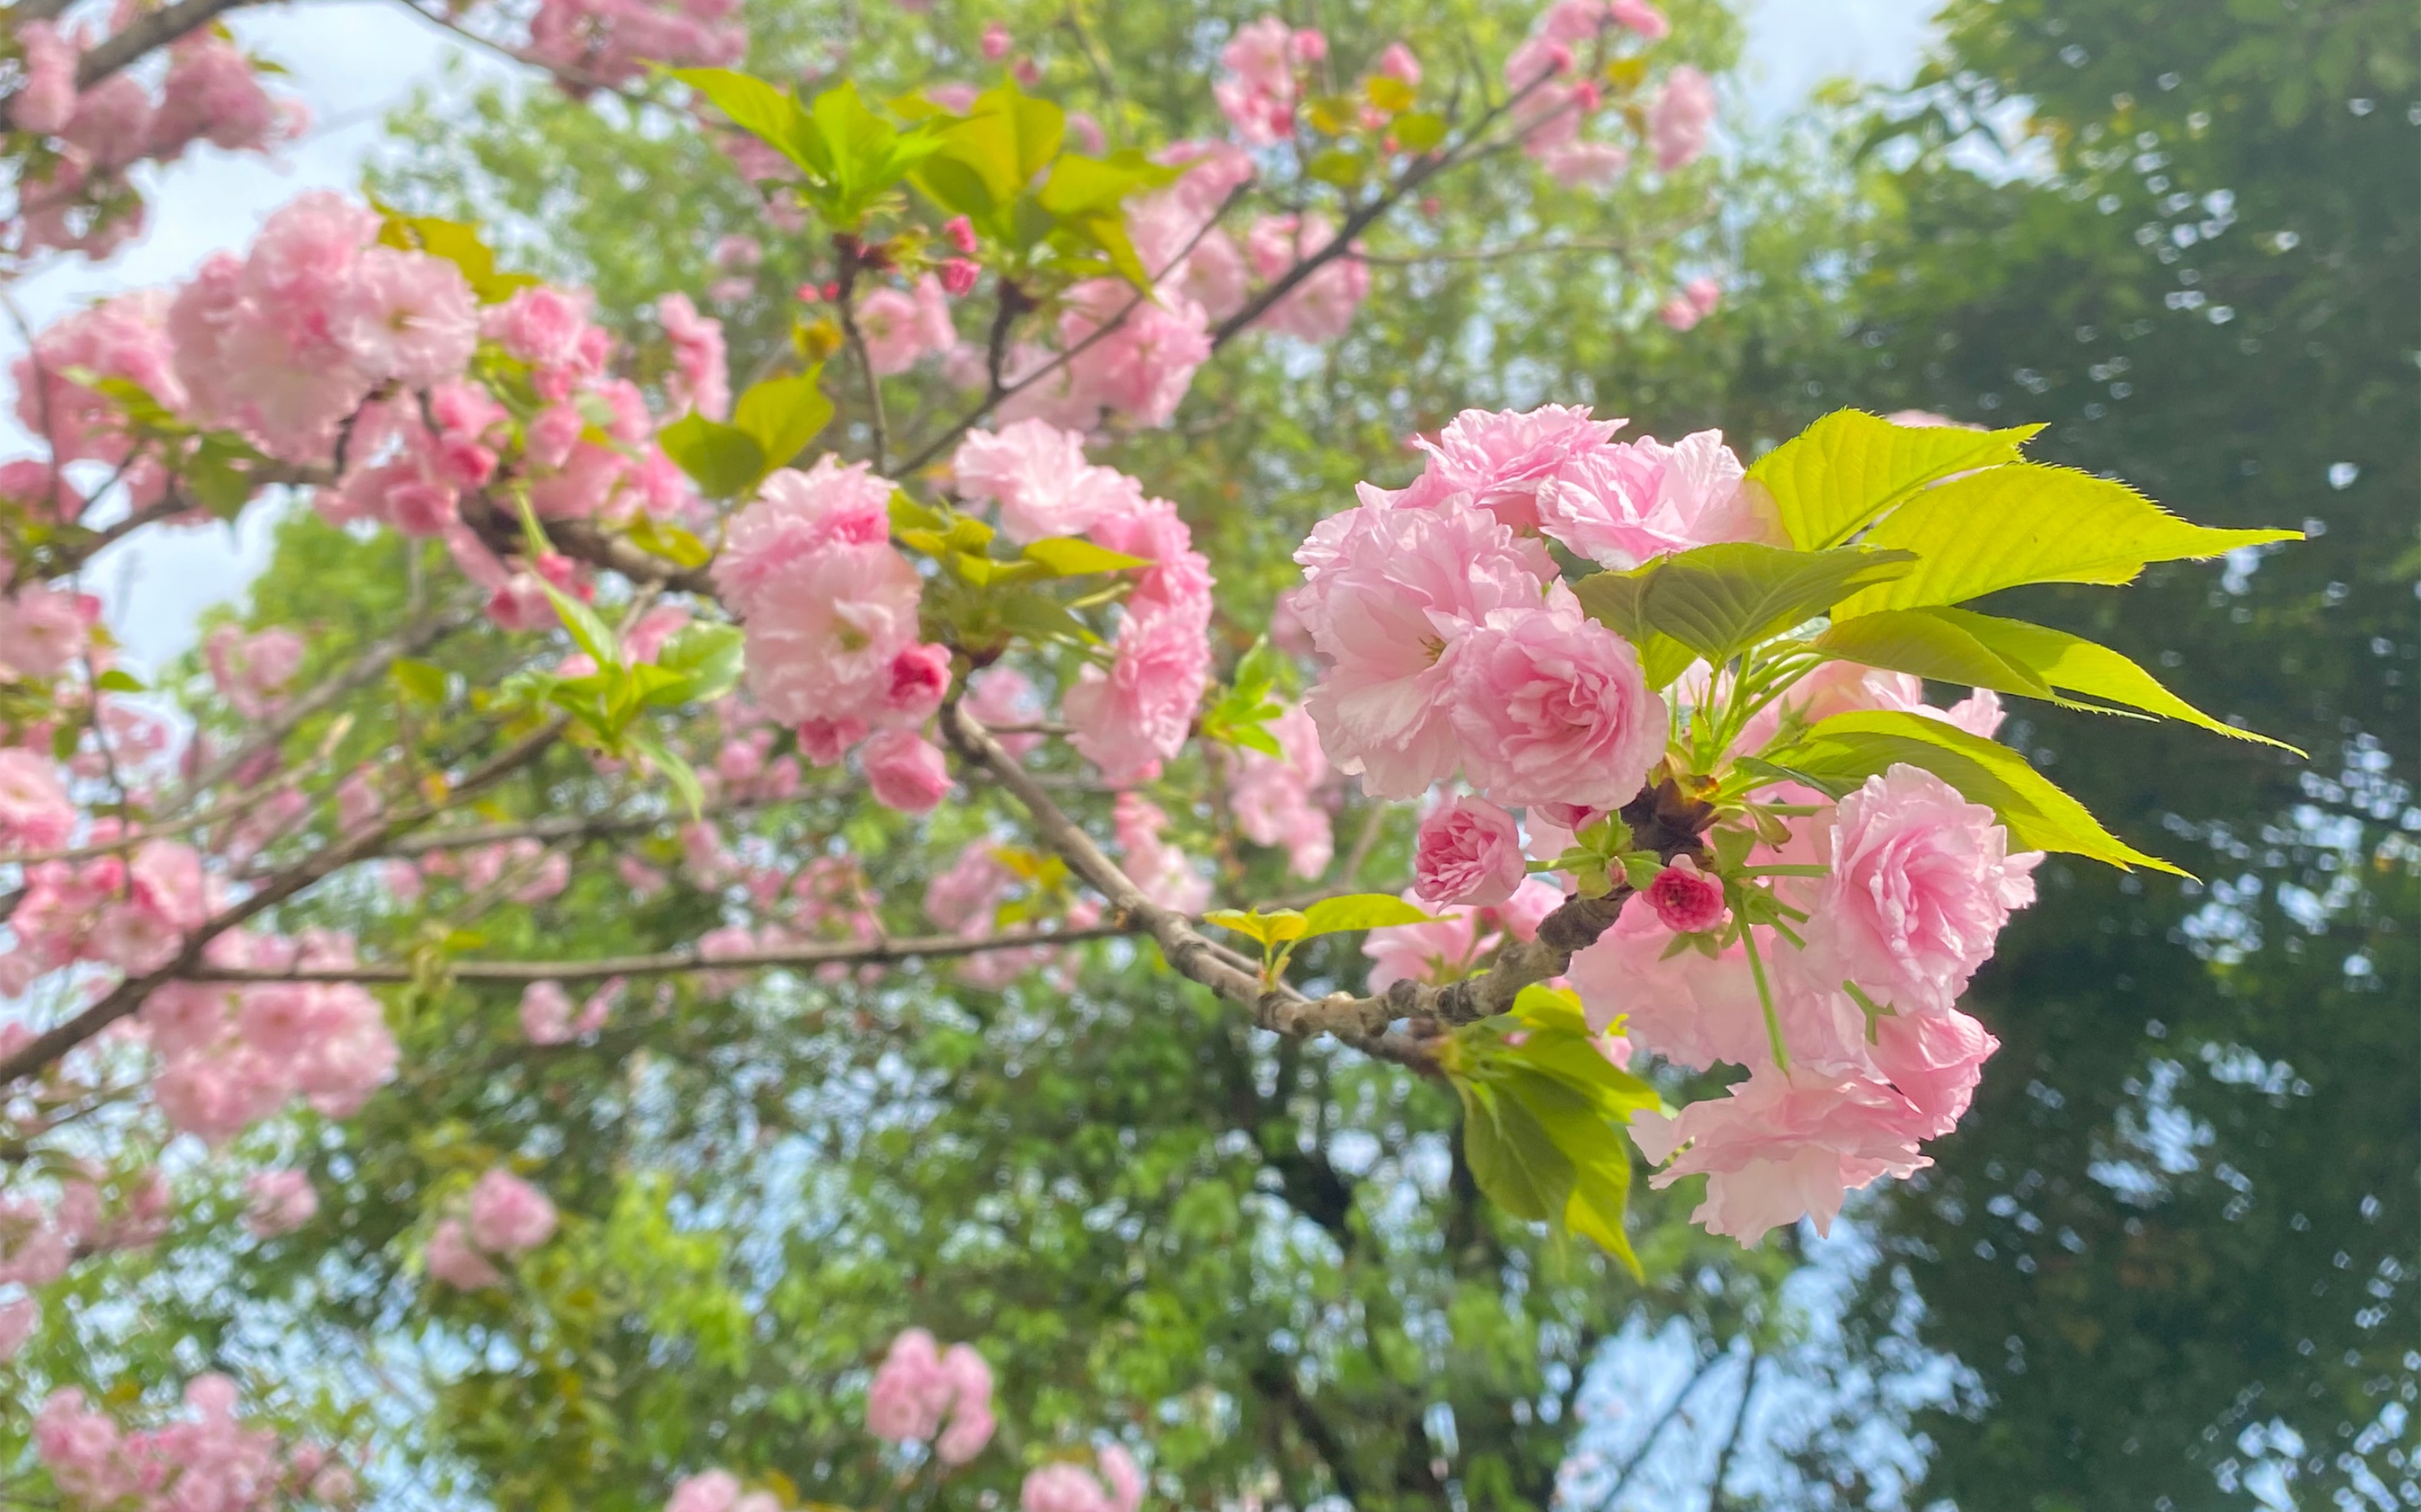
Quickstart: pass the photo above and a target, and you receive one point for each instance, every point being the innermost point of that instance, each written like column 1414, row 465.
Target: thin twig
column 130, row 994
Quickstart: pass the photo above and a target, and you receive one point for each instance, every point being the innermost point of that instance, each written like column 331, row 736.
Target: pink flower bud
column 958, row 277
column 1689, row 901
column 961, row 233
column 995, row 42
column 906, row 771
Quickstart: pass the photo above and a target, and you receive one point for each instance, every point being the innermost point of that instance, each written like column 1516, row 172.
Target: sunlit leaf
column 1843, row 751
column 1850, row 466
column 2011, row 526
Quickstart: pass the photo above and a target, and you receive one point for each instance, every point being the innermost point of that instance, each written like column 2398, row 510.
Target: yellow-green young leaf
column 421, row 681
column 1918, row 641
column 773, row 117
column 1418, row 132
column 593, row 634
column 1516, row 1165
column 1847, row 749
column 118, row 679
column 1361, row 911
column 2027, row 524
column 1388, row 92
column 724, row 460
column 783, row 414
column 1070, row 557
column 1268, row 928
column 2032, row 661
column 981, row 163
column 1849, row 467
column 659, row 538
column 1718, row 600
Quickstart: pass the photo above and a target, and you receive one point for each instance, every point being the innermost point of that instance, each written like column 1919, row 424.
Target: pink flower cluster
column 1449, row 644
column 1131, row 717
column 830, row 607
column 927, row 1394
column 613, row 41
column 252, row 670
column 280, row 1203
column 1322, row 306
column 507, row 1217
column 1695, row 302
column 208, row 1461
column 88, row 1213
column 1261, row 86
column 1163, row 872
column 1062, row 1486
column 233, row 1055
column 1920, row 882
column 79, row 200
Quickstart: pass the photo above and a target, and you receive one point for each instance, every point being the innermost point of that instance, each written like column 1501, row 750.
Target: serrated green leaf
column 1847, row 749
column 724, row 460
column 1361, row 911
column 675, row 770
column 1849, row 467
column 783, row 414
column 772, row 116
column 2014, row 657
column 1070, row 557
column 2026, row 523
column 1718, row 600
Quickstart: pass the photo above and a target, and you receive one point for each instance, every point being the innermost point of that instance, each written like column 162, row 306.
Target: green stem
column 1765, row 998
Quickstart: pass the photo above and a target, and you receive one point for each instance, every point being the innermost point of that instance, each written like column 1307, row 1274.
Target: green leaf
column 1600, row 1195
column 1068, row 556
column 593, row 634
column 783, row 414
column 660, row 537
column 1361, row 911
column 706, row 658
column 1850, row 466
column 675, row 770
column 1517, row 1165
column 1846, row 749
column 867, row 155
column 1918, row 641
column 1718, row 600
column 773, row 117
column 981, row 164
column 1388, row 92
column 422, row 682
column 118, row 679
column 1339, row 167
column 1271, row 928
column 2014, row 657
column 1418, row 132
column 2026, row 523
column 1086, row 195
column 725, row 460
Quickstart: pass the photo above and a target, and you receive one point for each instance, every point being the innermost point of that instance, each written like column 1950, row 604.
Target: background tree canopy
column 2169, row 1261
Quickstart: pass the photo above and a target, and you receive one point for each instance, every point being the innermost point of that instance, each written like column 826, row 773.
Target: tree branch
column 129, row 995
column 684, row 959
